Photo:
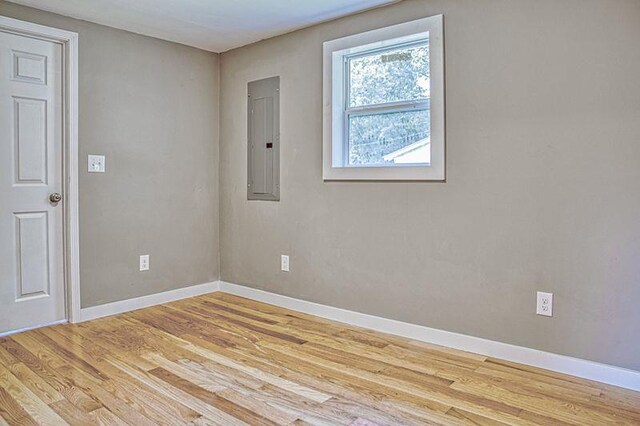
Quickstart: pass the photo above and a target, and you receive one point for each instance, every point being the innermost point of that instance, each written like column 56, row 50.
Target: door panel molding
column 29, row 74
column 29, row 67
column 33, row 259
column 30, row 142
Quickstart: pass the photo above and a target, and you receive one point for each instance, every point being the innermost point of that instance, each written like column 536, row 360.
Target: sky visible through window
column 399, row 76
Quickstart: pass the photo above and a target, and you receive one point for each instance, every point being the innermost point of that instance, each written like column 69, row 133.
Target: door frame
column 70, row 166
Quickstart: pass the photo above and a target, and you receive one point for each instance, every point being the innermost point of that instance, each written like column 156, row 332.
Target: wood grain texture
column 224, row 360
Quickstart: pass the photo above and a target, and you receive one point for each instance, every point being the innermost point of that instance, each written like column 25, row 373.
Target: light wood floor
column 221, row 359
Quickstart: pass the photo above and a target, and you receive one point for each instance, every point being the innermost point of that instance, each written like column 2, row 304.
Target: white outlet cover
column 96, row 164
column 544, row 305
column 284, row 263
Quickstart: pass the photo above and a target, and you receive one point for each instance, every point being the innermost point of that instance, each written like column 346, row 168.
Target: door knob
column 55, row 197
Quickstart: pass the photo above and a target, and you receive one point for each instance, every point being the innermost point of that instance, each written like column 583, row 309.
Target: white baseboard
column 121, row 306
column 604, row 373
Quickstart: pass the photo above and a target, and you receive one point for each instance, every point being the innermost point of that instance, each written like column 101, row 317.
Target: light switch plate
column 144, row 262
column 284, row 263
column 96, row 164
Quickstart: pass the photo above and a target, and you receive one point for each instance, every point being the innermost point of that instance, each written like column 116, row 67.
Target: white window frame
column 336, row 111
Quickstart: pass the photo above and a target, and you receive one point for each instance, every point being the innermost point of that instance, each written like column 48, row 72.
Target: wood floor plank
column 219, row 359
column 472, row 418
column 201, row 380
column 6, row 358
column 207, row 411
column 34, row 406
column 12, row 412
column 152, row 404
column 430, row 363
column 104, row 417
column 534, row 402
column 121, row 408
column 439, row 394
column 225, row 376
column 211, row 398
column 339, row 385
column 259, row 374
column 233, row 322
column 257, row 406
column 218, row 306
column 36, row 384
column 71, row 414
column 297, row 405
column 49, row 374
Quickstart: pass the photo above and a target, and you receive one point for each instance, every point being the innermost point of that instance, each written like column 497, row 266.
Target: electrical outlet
column 284, row 263
column 144, row 262
column 96, row 163
column 545, row 304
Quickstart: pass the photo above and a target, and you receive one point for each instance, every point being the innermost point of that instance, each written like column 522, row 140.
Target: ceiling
column 214, row 25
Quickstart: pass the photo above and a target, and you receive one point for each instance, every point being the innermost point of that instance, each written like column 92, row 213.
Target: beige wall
column 151, row 107
column 543, row 190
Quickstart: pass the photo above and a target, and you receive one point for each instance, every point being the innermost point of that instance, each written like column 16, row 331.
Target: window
column 384, row 104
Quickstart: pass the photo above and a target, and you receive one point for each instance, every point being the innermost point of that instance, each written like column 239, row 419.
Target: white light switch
column 284, row 263
column 144, row 262
column 96, row 163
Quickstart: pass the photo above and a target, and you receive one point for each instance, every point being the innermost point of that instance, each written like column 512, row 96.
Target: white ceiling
column 215, row 25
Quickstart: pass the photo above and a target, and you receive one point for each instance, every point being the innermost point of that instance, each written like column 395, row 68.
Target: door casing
column 71, row 242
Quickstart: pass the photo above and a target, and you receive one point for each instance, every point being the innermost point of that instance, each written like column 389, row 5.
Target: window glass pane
column 392, row 75
column 390, row 138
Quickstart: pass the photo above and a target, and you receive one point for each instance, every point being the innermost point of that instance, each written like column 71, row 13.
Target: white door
column 31, row 125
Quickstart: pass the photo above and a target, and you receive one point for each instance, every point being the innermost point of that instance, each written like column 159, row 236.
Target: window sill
column 395, row 173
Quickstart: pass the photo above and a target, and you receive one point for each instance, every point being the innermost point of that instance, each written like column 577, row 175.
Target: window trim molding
column 334, row 128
